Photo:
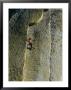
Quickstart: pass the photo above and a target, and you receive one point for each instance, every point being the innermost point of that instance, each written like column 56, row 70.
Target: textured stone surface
column 18, row 26
column 56, row 45
column 44, row 61
column 40, row 56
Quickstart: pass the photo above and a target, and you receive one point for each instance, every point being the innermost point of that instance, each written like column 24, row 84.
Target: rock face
column 44, row 61
column 18, row 26
column 37, row 64
column 56, row 45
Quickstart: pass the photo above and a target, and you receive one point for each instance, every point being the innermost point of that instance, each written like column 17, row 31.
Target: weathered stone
column 56, row 45
column 18, row 26
column 44, row 61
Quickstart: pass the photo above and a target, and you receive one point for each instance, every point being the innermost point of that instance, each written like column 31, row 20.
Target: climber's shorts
column 29, row 46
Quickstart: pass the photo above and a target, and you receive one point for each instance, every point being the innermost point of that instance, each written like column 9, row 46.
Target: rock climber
column 29, row 43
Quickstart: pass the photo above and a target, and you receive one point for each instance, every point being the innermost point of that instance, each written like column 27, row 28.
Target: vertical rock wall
column 56, row 45
column 37, row 63
column 44, row 61
column 18, row 26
